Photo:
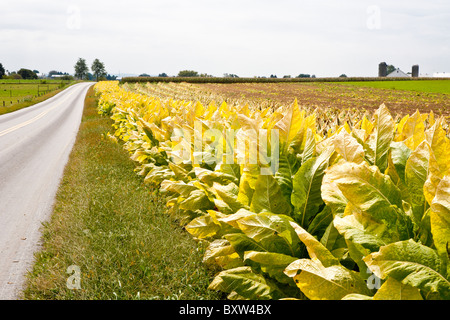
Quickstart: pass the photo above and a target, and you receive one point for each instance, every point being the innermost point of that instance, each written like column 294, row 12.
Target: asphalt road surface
column 35, row 144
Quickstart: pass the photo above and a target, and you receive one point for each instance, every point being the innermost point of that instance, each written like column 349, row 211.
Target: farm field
column 16, row 91
column 342, row 201
column 430, row 86
column 339, row 95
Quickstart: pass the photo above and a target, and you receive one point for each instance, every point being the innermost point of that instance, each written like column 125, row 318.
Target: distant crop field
column 430, row 86
column 362, row 95
column 16, row 91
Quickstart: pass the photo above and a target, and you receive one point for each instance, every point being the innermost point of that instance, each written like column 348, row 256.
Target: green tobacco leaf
column 416, row 173
column 288, row 166
column 379, row 141
column 228, row 194
column 272, row 231
column 197, row 200
column 220, row 252
column 179, row 187
column 233, row 170
column 268, row 197
column 246, row 283
column 356, row 296
column 374, row 193
column 316, row 250
column 203, row 227
column 310, row 146
column 440, row 218
column 290, row 124
column 348, row 147
column 400, row 154
column 362, row 230
column 247, row 186
column 241, row 243
column 333, row 196
column 413, row 264
column 320, row 222
column 270, row 263
column 395, row 290
column 320, row 283
column 306, row 195
column 209, row 177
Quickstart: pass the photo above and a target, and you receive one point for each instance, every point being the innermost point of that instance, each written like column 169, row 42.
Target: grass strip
column 115, row 229
column 429, row 86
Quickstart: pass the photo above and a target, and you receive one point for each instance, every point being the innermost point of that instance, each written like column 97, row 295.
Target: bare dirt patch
column 333, row 95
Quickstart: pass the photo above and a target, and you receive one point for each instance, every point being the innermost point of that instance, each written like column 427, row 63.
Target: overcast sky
column 244, row 37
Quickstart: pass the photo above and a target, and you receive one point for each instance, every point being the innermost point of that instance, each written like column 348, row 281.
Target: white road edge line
column 25, row 123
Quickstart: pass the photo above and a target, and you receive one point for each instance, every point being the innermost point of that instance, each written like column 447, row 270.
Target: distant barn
column 397, row 73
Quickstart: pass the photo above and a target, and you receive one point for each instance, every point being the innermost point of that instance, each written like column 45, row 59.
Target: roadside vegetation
column 114, row 229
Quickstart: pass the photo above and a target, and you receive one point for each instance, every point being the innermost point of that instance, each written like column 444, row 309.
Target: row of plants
column 291, row 205
column 262, row 80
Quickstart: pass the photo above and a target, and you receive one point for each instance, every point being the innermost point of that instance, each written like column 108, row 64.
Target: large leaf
column 348, row 147
column 395, row 290
column 316, row 250
column 247, row 186
column 412, row 131
column 416, row 173
column 268, row 197
column 242, row 243
column 271, row 263
column 320, row 283
column 440, row 218
column 413, row 264
column 362, row 230
column 288, row 166
column 197, row 200
column 203, row 227
column 228, row 194
column 436, row 136
column 374, row 193
column 246, row 283
column 306, row 195
column 272, row 230
column 220, row 252
column 379, row 141
column 290, row 124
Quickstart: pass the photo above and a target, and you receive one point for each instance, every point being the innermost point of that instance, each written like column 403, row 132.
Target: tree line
column 97, row 67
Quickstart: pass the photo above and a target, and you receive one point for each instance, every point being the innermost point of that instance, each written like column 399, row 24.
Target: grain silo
column 415, row 71
column 382, row 69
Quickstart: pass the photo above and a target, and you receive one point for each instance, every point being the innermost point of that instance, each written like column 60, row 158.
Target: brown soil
column 336, row 95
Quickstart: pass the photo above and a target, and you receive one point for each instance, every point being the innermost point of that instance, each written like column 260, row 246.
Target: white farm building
column 397, row 73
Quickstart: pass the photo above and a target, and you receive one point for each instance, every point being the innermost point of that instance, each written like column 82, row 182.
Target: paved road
column 35, row 144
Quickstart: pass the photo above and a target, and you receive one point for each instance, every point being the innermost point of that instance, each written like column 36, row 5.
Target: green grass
column 24, row 93
column 115, row 229
column 16, row 91
column 431, row 86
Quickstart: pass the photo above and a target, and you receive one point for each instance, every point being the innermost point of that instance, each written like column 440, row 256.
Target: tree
column 27, row 74
column 2, row 71
column 98, row 68
column 391, row 68
column 343, row 75
column 81, row 69
column 162, row 74
column 144, row 75
column 188, row 73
